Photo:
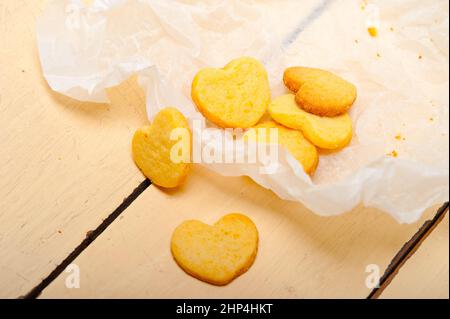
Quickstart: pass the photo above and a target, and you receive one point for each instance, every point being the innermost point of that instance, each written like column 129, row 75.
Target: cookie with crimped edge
column 219, row 253
column 153, row 149
column 330, row 133
column 235, row 96
column 320, row 92
column 300, row 148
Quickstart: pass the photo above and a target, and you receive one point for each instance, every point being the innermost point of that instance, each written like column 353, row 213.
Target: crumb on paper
column 364, row 3
column 373, row 31
column 420, row 56
column 356, row 41
column 393, row 153
column 391, row 29
column 431, row 119
column 59, row 232
column 399, row 137
column 378, row 55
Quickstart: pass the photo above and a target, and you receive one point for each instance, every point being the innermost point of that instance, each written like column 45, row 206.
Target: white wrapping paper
column 401, row 76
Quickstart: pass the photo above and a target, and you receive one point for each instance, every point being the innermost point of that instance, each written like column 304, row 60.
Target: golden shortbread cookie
column 235, row 96
column 325, row 132
column 216, row 254
column 294, row 77
column 157, row 154
column 320, row 92
column 302, row 150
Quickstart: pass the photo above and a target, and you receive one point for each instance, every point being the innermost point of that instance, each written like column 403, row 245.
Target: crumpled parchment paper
column 401, row 76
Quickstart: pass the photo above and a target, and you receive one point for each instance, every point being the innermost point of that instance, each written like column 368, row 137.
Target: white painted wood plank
column 64, row 165
column 300, row 254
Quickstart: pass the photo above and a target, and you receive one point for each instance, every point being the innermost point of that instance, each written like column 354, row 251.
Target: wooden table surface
column 66, row 168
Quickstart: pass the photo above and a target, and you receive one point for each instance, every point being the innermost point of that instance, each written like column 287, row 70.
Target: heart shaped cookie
column 216, row 254
column 160, row 154
column 320, row 92
column 324, row 132
column 302, row 150
column 235, row 96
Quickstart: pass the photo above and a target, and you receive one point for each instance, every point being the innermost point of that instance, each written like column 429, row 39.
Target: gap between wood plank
column 408, row 249
column 397, row 262
column 90, row 237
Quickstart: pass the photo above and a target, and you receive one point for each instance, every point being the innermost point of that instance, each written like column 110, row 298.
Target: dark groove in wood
column 408, row 249
column 90, row 237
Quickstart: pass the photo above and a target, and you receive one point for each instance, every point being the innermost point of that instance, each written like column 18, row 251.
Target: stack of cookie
column 237, row 96
column 318, row 108
column 314, row 117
